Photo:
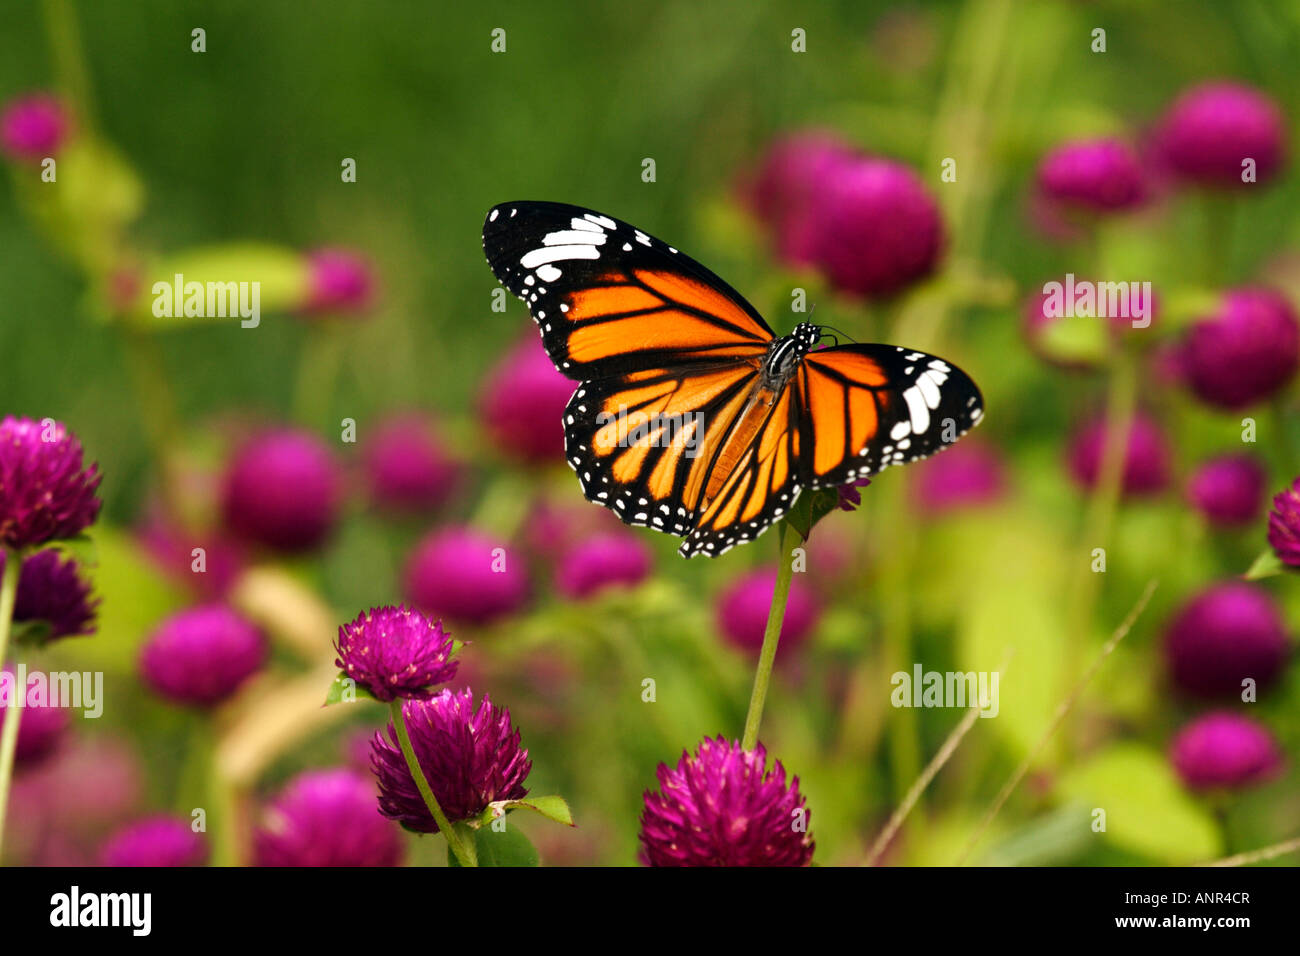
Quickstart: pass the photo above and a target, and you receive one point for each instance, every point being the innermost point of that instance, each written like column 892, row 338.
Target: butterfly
column 691, row 415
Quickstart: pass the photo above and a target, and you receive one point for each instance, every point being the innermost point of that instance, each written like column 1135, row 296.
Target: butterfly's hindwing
column 870, row 407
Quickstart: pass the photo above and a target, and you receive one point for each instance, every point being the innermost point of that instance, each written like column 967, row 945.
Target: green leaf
column 508, row 847
column 1147, row 810
column 1265, row 566
column 344, row 690
column 553, row 808
column 810, row 508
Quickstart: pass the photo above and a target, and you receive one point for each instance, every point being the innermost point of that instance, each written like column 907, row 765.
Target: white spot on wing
column 531, row 260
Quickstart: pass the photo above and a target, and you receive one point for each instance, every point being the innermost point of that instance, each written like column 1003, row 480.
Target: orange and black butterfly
column 692, row 416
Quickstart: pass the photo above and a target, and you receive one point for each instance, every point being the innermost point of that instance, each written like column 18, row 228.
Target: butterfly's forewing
column 867, row 407
column 612, row 300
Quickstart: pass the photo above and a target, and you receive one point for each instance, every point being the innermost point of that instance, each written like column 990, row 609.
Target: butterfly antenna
column 839, row 332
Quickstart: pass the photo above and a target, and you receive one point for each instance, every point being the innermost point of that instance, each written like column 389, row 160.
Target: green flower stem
column 8, row 593
column 771, row 635
column 464, row 851
column 14, row 712
column 318, row 373
column 1103, row 505
column 223, row 799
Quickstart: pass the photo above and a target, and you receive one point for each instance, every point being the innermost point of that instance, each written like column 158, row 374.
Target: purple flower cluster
column 1223, row 636
column 201, row 656
column 603, row 561
column 1228, row 491
column 1211, row 130
column 867, row 222
column 395, row 652
column 156, row 841
column 406, row 467
column 1224, row 751
column 338, row 280
column 53, row 591
column 1245, row 352
column 722, row 806
column 522, row 404
column 34, row 127
column 1094, row 176
column 327, row 818
column 283, row 490
column 462, row 575
column 470, row 755
column 1284, row 525
column 46, row 492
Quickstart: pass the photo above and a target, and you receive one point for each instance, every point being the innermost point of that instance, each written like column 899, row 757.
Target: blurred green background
column 244, row 142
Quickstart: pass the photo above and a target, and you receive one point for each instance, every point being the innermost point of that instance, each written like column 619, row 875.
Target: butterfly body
column 691, row 415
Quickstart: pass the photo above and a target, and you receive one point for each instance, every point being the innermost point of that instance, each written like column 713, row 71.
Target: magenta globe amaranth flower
column 462, row 575
column 1095, row 176
column 553, row 528
column 327, row 818
column 1284, row 525
column 1245, row 352
column 202, row 655
column 470, row 756
column 872, row 227
column 406, row 466
column 395, row 652
column 1212, row 130
column 34, row 127
column 156, row 841
column 744, row 604
column 968, row 474
column 601, row 562
column 1223, row 636
column 1146, row 465
column 722, row 807
column 781, row 190
column 53, row 597
column 46, row 493
column 1225, row 751
column 283, row 490
column 523, row 401
column 338, row 280
column 1228, row 491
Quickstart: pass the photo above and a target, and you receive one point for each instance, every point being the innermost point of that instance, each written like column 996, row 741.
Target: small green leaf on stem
column 344, row 690
column 553, row 808
column 1265, row 566
column 508, row 847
